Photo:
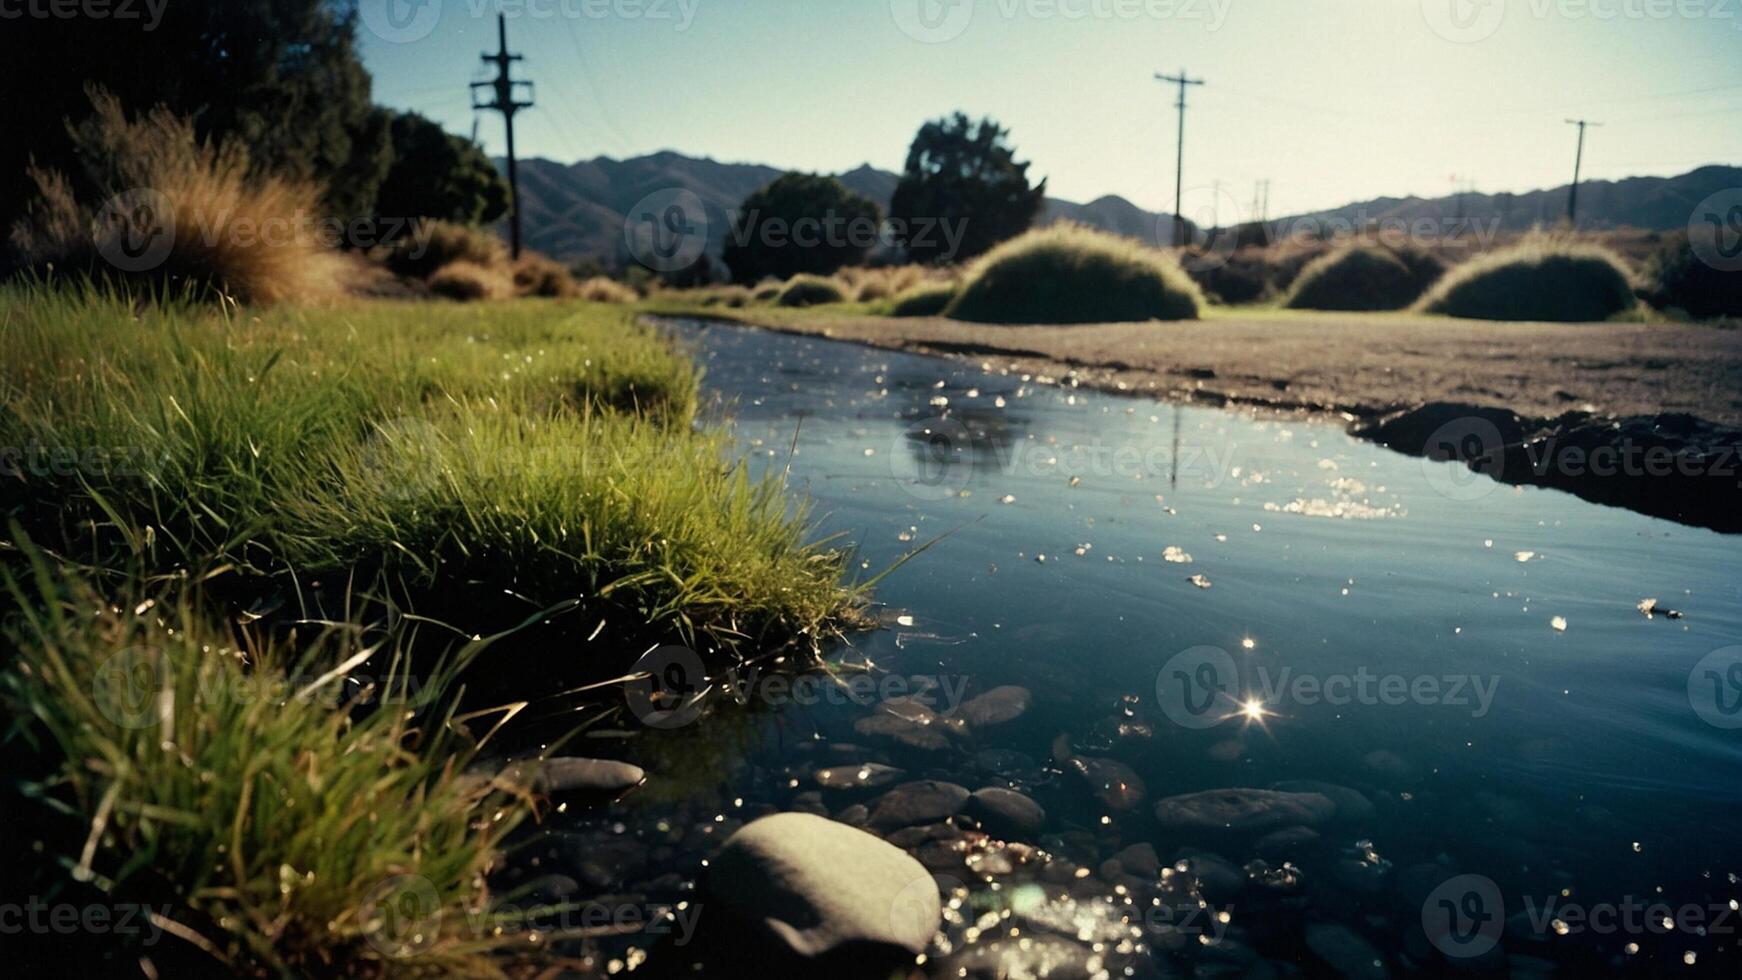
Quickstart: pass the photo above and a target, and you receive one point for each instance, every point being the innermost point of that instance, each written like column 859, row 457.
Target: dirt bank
column 1363, row 364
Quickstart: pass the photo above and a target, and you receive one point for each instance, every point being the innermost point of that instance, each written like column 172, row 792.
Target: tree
column 962, row 175
column 282, row 76
column 801, row 223
column 436, row 174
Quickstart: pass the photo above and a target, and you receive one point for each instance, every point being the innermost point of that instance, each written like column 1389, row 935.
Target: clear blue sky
column 1332, row 100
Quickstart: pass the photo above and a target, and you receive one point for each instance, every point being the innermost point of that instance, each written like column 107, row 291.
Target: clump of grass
column 502, row 444
column 927, row 300
column 600, row 289
column 881, row 282
column 1679, row 278
column 540, row 275
column 470, row 282
column 1362, row 277
column 1542, row 277
column 176, row 215
column 1068, row 273
column 432, row 244
column 733, row 297
column 286, row 816
column 767, row 291
column 809, row 290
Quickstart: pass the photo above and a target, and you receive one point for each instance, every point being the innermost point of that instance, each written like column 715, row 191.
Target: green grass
column 1070, row 274
column 1543, row 277
column 930, row 299
column 541, row 447
column 229, row 782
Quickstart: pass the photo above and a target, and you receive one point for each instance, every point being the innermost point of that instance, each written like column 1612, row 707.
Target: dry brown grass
column 176, row 214
column 432, row 244
column 541, row 275
column 469, row 281
column 866, row 284
column 602, row 290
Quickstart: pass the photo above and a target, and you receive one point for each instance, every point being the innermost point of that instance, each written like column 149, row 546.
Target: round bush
column 1680, row 279
column 1543, row 279
column 811, row 291
column 928, row 300
column 1357, row 277
column 1071, row 274
column 468, row 281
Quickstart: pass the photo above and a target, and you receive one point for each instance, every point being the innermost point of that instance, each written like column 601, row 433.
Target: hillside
column 577, row 210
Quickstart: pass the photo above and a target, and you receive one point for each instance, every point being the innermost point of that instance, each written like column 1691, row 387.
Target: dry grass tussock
column 174, row 214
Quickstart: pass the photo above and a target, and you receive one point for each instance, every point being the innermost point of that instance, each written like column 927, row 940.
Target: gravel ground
column 1363, row 364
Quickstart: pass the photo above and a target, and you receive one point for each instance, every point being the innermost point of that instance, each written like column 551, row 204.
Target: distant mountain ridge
column 577, row 210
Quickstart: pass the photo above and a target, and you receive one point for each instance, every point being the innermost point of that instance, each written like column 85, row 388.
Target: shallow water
column 1374, row 621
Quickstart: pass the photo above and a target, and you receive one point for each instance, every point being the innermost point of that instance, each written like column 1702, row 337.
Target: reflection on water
column 1475, row 750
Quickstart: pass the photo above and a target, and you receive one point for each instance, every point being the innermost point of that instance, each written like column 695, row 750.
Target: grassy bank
column 281, row 792
column 537, row 447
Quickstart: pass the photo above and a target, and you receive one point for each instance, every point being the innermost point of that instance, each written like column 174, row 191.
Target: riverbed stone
column 1006, row 813
column 1353, row 806
column 601, row 777
column 1242, row 810
column 812, row 887
column 1346, row 952
column 921, row 801
column 996, row 707
column 867, row 775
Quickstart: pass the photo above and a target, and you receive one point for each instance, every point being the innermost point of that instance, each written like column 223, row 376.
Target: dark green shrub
column 1677, row 277
column 1357, row 277
column 1071, row 274
column 927, row 300
column 1540, row 278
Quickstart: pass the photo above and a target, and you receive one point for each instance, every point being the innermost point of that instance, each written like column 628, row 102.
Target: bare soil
column 1361, row 364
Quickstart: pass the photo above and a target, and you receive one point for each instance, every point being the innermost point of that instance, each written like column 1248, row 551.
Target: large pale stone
column 817, row 887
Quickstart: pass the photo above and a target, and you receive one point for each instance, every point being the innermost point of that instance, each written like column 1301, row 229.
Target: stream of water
column 1529, row 771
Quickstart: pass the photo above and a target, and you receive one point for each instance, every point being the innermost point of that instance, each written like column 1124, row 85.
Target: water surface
column 1214, row 599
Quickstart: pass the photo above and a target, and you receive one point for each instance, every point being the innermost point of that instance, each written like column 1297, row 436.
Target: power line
column 506, row 103
column 1179, row 221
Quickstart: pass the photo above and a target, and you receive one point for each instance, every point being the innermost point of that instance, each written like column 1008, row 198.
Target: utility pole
column 504, row 89
column 1578, row 162
column 1179, row 221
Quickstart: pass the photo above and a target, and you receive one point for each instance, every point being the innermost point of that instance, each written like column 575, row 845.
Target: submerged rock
column 924, row 801
column 1114, row 783
column 810, row 887
column 600, row 777
column 1345, row 952
column 869, row 775
column 1006, row 813
column 1245, row 811
column 996, row 707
